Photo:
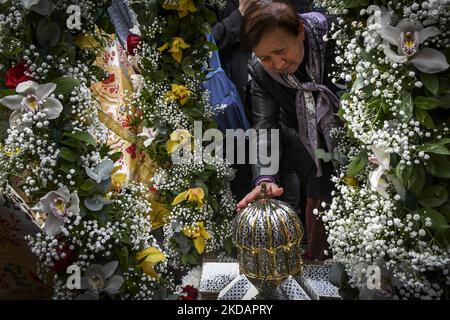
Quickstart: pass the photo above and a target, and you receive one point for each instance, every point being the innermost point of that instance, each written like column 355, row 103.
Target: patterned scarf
column 313, row 118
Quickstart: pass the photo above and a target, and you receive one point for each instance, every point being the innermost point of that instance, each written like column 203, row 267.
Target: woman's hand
column 272, row 190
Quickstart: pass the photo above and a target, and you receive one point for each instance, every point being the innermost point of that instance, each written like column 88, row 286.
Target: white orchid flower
column 57, row 204
column 27, row 4
column 148, row 133
column 382, row 159
column 32, row 97
column 98, row 279
column 408, row 35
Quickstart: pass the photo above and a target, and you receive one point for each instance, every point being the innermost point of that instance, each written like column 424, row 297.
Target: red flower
column 16, row 75
column 133, row 41
column 62, row 264
column 192, row 293
column 132, row 150
column 111, row 78
column 153, row 190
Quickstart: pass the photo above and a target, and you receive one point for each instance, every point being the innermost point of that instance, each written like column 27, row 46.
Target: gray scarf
column 313, row 117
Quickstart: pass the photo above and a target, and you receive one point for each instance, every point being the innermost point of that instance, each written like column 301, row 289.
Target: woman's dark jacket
column 273, row 107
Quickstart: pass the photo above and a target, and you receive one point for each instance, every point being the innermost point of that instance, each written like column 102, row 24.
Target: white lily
column 150, row 134
column 27, row 4
column 32, row 97
column 407, row 36
column 382, row 159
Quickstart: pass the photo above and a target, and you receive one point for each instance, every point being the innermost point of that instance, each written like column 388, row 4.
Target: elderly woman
column 291, row 92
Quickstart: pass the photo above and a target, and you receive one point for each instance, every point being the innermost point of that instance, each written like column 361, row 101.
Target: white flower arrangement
column 380, row 208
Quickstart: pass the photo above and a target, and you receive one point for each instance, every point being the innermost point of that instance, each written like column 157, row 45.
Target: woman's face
column 280, row 51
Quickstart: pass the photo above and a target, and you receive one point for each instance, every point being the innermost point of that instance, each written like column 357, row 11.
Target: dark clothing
column 274, row 107
column 226, row 33
column 234, row 61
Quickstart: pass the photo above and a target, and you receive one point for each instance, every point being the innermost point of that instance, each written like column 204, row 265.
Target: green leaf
column 424, row 118
column 200, row 184
column 433, row 196
column 445, row 210
column 442, row 237
column 82, row 136
column 67, row 154
column 6, row 92
column 88, row 185
column 407, row 105
column 419, row 180
column 105, row 24
column 426, row 103
column 115, row 156
column 443, row 141
column 122, row 256
column 194, row 113
column 65, row 167
column 229, row 246
column 65, row 85
column 214, row 204
column 357, row 164
column 186, row 65
column 437, row 219
column 48, row 34
column 356, row 3
column 407, row 176
column 192, row 258
column 74, row 144
column 438, row 166
column 435, row 148
column 431, row 82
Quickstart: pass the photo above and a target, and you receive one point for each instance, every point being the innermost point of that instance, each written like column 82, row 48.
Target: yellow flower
column 198, row 233
column 10, row 153
column 165, row 46
column 178, row 92
column 158, row 215
column 351, row 181
column 151, row 256
column 177, row 45
column 86, row 41
column 178, row 138
column 191, row 195
column 118, row 180
column 176, row 48
column 182, row 6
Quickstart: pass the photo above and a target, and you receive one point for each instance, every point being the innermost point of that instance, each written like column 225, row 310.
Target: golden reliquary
column 268, row 236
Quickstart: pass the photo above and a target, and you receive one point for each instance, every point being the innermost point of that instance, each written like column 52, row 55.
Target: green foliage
column 431, row 82
column 65, row 85
column 357, row 163
column 433, row 196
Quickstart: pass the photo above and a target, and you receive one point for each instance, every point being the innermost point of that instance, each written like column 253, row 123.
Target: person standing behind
column 291, row 91
column 226, row 33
